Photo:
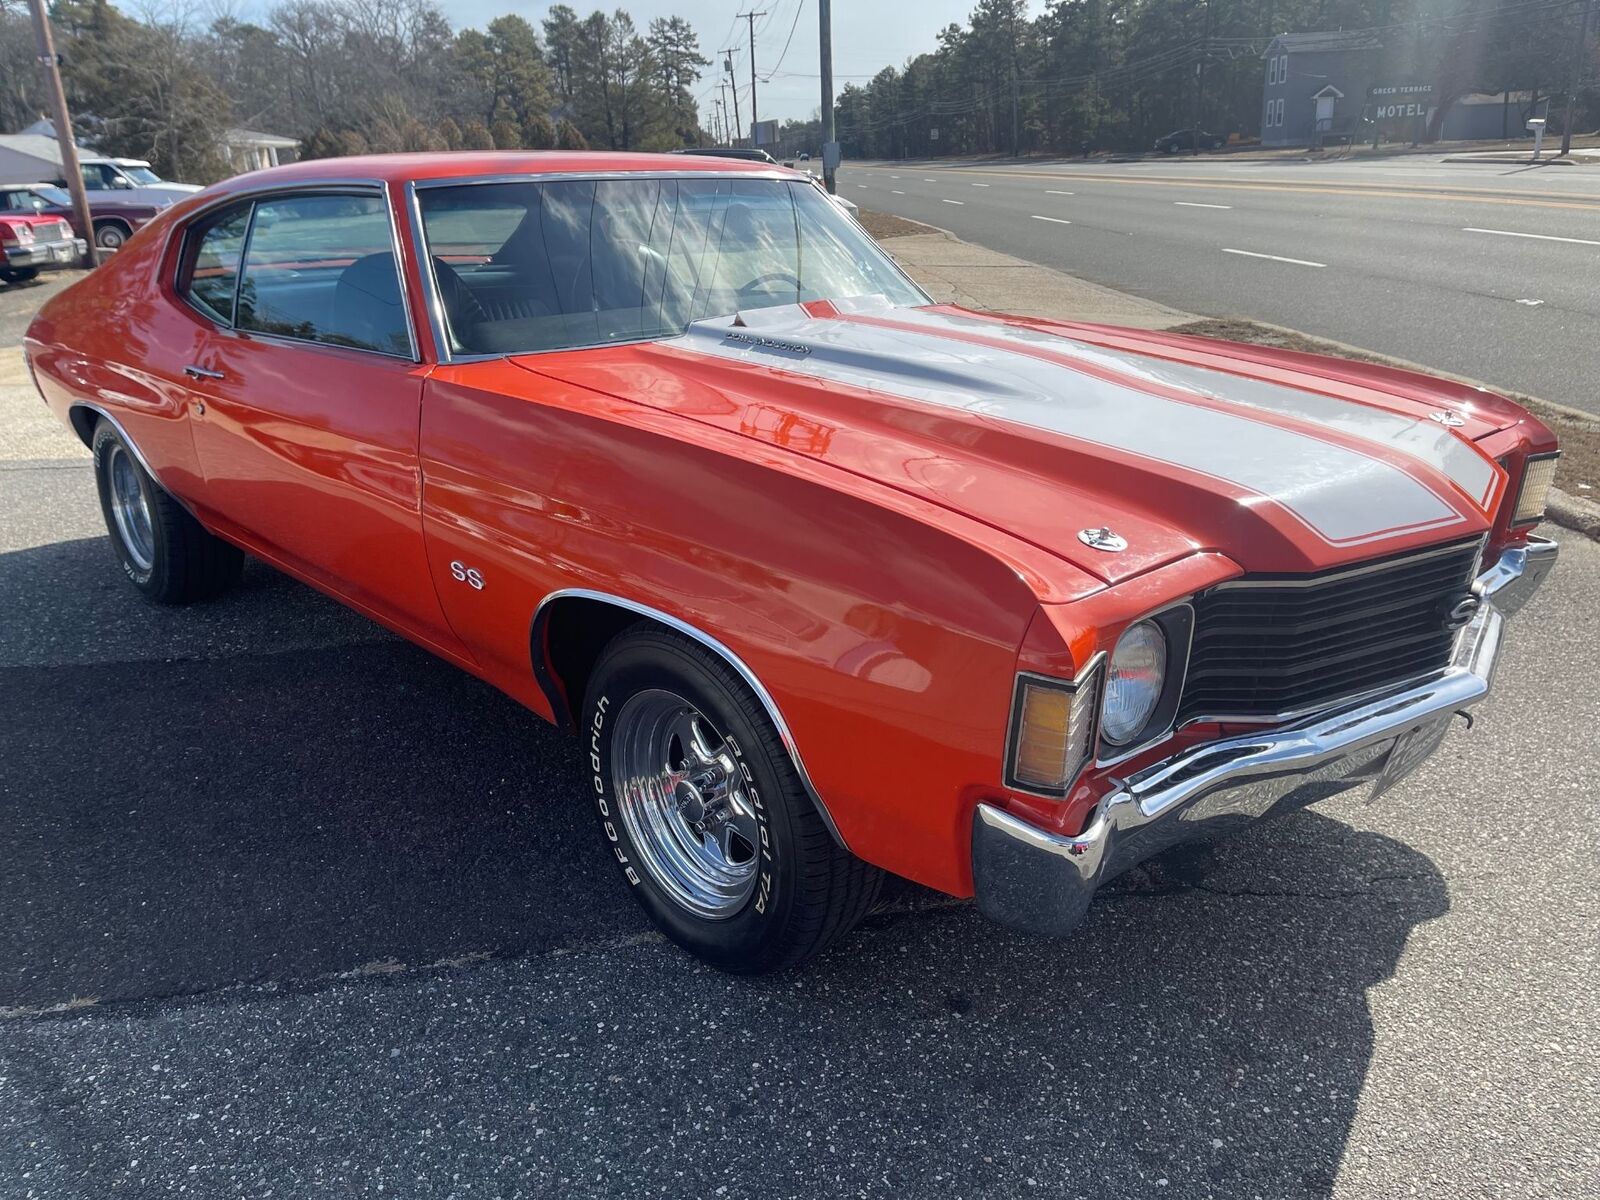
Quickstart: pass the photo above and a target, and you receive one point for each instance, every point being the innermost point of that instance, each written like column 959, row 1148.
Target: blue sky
column 868, row 35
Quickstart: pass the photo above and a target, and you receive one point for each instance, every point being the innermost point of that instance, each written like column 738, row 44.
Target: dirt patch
column 883, row 225
column 1579, row 472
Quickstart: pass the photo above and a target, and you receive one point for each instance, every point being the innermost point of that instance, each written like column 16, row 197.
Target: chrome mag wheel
column 684, row 799
column 130, row 508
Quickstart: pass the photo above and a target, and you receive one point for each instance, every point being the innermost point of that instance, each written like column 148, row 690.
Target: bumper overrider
column 1043, row 882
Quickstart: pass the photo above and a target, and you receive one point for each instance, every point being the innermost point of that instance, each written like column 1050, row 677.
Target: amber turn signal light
column 1052, row 725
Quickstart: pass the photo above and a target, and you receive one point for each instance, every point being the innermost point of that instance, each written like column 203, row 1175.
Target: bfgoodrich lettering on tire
column 703, row 813
column 163, row 550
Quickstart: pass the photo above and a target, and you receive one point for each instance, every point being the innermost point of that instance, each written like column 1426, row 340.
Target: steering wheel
column 771, row 277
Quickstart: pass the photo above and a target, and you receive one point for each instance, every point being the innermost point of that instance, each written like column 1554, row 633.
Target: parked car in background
column 829, row 579
column 1182, row 140
column 34, row 242
column 114, row 219
column 130, row 178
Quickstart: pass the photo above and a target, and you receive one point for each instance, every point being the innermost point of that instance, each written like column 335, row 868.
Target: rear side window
column 212, row 272
column 322, row 269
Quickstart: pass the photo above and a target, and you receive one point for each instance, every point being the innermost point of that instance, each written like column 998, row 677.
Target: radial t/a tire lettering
column 703, row 813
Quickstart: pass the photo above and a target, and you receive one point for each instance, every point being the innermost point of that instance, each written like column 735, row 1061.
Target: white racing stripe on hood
column 1346, row 497
column 1424, row 440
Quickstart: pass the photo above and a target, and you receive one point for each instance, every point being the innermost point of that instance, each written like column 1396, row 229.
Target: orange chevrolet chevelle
column 829, row 580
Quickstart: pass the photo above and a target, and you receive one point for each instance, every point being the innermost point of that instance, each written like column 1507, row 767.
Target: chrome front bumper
column 66, row 252
column 1040, row 881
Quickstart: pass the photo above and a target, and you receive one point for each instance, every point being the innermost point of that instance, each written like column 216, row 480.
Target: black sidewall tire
column 147, row 581
column 110, row 236
column 753, row 939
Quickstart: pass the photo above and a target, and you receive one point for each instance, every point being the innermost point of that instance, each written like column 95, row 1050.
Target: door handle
column 194, row 372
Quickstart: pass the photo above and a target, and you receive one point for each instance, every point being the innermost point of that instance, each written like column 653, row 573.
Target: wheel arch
column 573, row 625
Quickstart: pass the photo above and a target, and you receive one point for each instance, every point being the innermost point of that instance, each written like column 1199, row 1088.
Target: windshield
column 141, row 174
column 541, row 266
column 54, row 195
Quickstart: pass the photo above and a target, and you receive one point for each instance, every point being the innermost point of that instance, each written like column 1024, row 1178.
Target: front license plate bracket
column 1410, row 750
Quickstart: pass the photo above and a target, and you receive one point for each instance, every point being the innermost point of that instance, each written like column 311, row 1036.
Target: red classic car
column 31, row 242
column 829, row 580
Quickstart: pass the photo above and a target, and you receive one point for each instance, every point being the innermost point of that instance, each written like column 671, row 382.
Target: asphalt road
column 290, row 909
column 1492, row 272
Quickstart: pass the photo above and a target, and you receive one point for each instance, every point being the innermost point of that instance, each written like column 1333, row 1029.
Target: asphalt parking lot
column 289, row 908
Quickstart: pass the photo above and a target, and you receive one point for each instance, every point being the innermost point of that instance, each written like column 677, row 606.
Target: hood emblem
column 1449, row 419
column 1103, row 539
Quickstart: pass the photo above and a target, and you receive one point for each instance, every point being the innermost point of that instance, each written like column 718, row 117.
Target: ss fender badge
column 468, row 575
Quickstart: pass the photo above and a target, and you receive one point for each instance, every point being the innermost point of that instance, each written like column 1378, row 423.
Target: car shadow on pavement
column 263, row 789
column 258, row 807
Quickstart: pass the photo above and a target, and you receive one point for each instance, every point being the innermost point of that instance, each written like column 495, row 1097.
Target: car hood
column 1049, row 432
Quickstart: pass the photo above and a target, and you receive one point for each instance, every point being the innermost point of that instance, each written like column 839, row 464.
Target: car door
column 306, row 394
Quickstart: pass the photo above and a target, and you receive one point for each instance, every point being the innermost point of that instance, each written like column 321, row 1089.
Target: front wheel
column 164, row 551
column 18, row 274
column 704, row 813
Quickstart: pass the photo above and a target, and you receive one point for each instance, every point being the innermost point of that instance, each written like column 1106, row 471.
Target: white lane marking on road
column 1531, row 303
column 894, row 177
column 929, row 179
column 1299, row 262
column 1057, row 220
column 862, row 186
column 980, row 185
column 955, row 201
column 1052, row 192
column 1195, row 204
column 1543, row 237
column 896, row 192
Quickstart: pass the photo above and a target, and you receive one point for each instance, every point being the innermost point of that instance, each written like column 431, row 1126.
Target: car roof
column 478, row 164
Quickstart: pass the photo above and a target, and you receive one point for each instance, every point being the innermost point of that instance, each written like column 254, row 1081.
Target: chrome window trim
column 435, row 305
column 678, row 625
column 439, row 181
column 254, row 197
column 1076, row 684
column 1123, row 753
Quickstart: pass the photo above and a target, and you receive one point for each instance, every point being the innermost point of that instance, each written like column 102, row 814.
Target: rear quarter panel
column 115, row 341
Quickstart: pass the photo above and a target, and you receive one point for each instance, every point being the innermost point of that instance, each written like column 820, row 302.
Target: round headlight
column 1133, row 684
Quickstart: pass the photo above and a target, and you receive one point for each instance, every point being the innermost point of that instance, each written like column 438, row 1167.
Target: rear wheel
column 166, row 553
column 109, row 235
column 705, row 814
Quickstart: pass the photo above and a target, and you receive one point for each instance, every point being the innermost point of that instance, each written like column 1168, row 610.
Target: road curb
column 1574, row 513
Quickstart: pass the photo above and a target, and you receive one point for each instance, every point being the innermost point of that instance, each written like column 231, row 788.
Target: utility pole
column 830, row 143
column 1016, row 92
column 1200, row 82
column 754, row 120
column 727, row 61
column 50, row 63
column 1578, row 65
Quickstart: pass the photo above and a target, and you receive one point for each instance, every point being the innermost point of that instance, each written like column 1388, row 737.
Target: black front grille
column 1268, row 645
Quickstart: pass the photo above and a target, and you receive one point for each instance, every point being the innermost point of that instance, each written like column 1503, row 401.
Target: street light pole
column 50, row 63
column 829, row 141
